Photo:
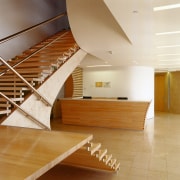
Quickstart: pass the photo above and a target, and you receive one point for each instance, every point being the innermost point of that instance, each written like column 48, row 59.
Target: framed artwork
column 98, row 84
column 107, row 84
column 103, row 84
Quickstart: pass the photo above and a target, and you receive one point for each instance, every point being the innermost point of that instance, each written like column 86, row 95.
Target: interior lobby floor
column 152, row 154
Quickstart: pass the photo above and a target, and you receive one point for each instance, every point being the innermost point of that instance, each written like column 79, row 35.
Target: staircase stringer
column 49, row 89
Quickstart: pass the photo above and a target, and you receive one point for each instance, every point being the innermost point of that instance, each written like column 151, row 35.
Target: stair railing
column 40, row 96
column 33, row 53
column 31, row 28
column 26, row 113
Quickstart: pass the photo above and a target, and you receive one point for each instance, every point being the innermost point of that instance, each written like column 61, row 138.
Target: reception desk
column 110, row 113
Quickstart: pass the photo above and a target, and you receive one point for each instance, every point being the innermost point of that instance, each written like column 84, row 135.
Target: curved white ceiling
column 122, row 33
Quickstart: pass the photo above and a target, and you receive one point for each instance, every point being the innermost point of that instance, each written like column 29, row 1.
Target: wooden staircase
column 36, row 66
column 92, row 156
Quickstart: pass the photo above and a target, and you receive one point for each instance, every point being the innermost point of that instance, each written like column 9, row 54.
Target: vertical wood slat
column 77, row 82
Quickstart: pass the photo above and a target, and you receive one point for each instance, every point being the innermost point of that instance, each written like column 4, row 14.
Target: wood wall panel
column 160, row 92
column 77, row 82
column 68, row 87
column 175, row 92
column 74, row 84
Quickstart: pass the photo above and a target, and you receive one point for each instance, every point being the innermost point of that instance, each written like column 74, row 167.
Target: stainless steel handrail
column 31, row 28
column 26, row 82
column 26, row 113
column 3, row 72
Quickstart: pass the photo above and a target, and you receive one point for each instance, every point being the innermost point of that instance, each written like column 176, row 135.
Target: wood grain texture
column 104, row 113
column 96, row 160
column 29, row 153
column 161, row 92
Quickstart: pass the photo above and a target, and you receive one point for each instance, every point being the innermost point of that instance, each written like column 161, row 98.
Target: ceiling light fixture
column 168, row 55
column 171, row 6
column 178, row 63
column 168, row 33
column 169, row 46
column 100, row 65
column 167, row 65
column 135, row 11
column 169, row 60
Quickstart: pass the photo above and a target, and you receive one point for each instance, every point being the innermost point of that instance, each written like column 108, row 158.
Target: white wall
column 136, row 83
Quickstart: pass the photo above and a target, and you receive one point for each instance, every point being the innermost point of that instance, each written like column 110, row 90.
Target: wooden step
column 5, row 111
column 107, row 158
column 93, row 147
column 40, row 58
column 13, row 84
column 85, row 158
column 35, row 64
column 13, row 99
column 12, row 76
column 101, row 153
column 112, row 162
column 2, row 99
column 19, row 94
column 6, row 105
column 14, row 80
column 116, row 167
column 2, row 89
column 23, row 71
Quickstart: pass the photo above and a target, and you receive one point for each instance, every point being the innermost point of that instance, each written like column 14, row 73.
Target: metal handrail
column 26, row 113
column 31, row 28
column 26, row 82
column 3, row 72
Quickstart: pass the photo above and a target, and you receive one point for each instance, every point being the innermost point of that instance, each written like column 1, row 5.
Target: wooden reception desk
column 111, row 113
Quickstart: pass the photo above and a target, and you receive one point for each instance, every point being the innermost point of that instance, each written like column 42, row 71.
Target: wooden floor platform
column 29, row 153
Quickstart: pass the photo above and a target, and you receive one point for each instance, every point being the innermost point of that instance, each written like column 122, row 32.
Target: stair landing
column 29, row 153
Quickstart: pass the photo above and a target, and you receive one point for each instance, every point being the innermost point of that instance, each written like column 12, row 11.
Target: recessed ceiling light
column 169, row 63
column 135, row 11
column 169, row 46
column 105, row 65
column 168, row 55
column 171, row 6
column 168, row 33
column 174, row 64
column 164, row 60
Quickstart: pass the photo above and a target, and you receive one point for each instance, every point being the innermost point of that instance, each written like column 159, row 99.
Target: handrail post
column 26, row 82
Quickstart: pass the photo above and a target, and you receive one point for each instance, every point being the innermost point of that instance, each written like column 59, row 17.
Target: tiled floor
column 152, row 154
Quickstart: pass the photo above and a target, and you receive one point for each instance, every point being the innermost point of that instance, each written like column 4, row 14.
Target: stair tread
column 112, row 162
column 117, row 166
column 107, row 158
column 101, row 153
column 5, row 111
column 94, row 147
